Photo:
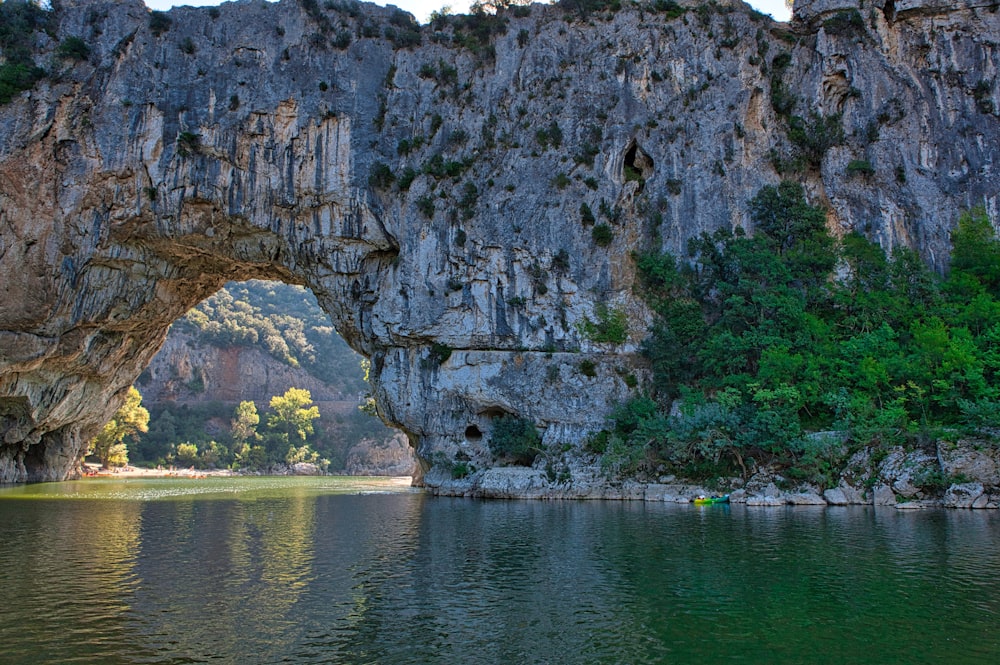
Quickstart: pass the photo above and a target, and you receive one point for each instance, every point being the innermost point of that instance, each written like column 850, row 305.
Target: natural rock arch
column 430, row 196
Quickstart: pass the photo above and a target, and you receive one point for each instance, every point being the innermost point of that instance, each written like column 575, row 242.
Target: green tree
column 243, row 426
column 187, row 454
column 976, row 250
column 294, row 414
column 129, row 420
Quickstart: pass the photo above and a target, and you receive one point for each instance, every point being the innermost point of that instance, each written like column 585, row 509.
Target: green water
column 334, row 570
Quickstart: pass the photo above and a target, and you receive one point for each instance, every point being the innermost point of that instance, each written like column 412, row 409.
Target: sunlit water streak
column 326, row 570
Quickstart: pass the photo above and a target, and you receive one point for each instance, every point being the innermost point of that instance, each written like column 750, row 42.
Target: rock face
column 388, row 457
column 428, row 189
column 185, row 371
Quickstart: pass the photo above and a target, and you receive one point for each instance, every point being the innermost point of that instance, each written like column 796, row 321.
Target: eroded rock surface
column 430, row 193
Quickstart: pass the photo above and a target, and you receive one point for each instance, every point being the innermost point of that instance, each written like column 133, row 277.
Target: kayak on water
column 705, row 500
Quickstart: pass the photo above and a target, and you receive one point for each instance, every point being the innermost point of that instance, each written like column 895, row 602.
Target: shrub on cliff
column 159, row 22
column 515, row 440
column 73, row 48
column 19, row 20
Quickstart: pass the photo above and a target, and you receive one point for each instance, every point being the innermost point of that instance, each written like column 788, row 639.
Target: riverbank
column 962, row 474
column 91, row 470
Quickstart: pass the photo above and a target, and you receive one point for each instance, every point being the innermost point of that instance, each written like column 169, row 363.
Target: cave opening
column 254, row 341
column 637, row 165
column 889, row 11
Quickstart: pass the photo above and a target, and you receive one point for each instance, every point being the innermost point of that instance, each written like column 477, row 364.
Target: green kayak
column 705, row 500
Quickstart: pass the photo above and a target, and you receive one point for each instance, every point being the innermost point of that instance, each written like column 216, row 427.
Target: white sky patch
column 422, row 8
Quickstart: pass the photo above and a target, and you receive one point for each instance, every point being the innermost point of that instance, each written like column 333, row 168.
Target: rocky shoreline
column 963, row 474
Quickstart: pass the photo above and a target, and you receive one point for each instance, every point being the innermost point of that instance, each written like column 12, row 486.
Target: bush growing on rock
column 515, row 440
column 602, row 235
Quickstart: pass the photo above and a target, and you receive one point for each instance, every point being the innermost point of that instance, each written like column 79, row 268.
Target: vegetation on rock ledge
column 786, row 348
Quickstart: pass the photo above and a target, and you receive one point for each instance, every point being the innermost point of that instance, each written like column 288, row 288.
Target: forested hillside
column 281, row 319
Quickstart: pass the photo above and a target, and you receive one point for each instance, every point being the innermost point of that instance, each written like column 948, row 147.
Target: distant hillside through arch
column 251, row 341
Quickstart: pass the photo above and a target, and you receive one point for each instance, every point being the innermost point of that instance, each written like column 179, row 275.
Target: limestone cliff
column 427, row 184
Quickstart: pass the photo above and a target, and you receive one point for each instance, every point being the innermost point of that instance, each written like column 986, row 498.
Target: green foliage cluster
column 515, row 440
column 19, row 20
column 814, row 135
column 611, row 326
column 860, row 167
column 763, row 342
column 602, row 235
column 73, row 48
column 130, row 420
column 282, row 319
column 467, row 203
column 584, row 8
column 287, row 322
column 983, row 95
column 438, row 167
column 159, row 22
column 549, row 136
column 176, row 437
column 403, row 30
column 845, row 24
column 439, row 354
column 380, row 176
column 444, row 74
column 215, row 435
column 474, row 31
column 782, row 99
column 669, row 8
column 188, row 143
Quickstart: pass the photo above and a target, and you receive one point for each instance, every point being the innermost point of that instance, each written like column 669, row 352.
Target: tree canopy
column 129, row 420
column 293, row 413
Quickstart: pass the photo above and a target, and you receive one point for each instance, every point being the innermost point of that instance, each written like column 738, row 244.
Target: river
column 341, row 570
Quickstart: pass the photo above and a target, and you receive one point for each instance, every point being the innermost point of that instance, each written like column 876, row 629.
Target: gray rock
column 883, row 495
column 916, row 505
column 511, row 482
column 305, row 469
column 835, row 497
column 805, row 499
column 975, row 460
column 965, row 495
column 759, row 500
column 901, row 469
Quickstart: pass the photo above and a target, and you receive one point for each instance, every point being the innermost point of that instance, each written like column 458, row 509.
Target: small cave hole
column 889, row 10
column 473, row 433
column 637, row 165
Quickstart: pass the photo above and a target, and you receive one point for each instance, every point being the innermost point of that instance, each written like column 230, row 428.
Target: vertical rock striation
column 428, row 185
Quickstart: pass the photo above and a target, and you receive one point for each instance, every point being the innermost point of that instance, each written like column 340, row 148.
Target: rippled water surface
column 328, row 570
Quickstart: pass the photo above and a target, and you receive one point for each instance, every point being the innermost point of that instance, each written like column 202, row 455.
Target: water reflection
column 299, row 575
column 69, row 579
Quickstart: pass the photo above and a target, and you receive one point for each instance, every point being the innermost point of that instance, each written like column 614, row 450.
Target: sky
column 423, row 8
